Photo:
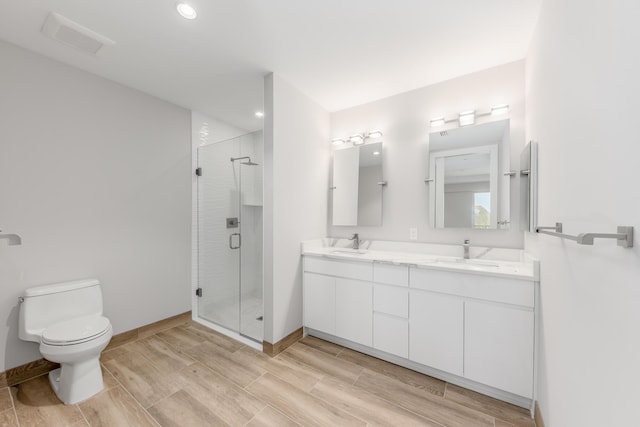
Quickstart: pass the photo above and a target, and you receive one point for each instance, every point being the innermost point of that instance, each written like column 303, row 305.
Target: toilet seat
column 76, row 331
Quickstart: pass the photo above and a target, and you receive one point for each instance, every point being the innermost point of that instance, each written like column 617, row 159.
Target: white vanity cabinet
column 319, row 305
column 478, row 327
column 354, row 302
column 437, row 331
column 338, row 298
column 391, row 309
column 473, row 329
column 498, row 346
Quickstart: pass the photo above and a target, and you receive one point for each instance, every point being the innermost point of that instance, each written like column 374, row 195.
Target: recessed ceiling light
column 186, row 10
column 259, row 114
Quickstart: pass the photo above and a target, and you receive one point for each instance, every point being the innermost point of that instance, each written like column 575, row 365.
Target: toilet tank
column 42, row 306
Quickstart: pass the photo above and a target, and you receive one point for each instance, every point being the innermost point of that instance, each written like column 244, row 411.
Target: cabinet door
column 354, row 311
column 391, row 334
column 436, row 331
column 499, row 346
column 319, row 302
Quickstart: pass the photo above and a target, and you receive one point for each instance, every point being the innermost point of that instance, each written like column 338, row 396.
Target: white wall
column 404, row 121
column 297, row 151
column 582, row 105
column 95, row 177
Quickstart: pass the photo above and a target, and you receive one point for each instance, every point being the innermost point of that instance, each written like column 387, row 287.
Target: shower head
column 248, row 162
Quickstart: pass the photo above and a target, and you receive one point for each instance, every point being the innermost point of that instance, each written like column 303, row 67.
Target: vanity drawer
column 391, row 300
column 346, row 269
column 391, row 274
column 505, row 290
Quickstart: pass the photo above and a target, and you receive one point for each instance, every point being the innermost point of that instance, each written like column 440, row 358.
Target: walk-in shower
column 229, row 223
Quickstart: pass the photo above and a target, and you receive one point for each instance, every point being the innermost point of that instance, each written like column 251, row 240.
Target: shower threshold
column 229, row 333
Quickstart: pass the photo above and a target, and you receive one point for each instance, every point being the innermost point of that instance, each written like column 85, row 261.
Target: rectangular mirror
column 357, row 185
column 469, row 177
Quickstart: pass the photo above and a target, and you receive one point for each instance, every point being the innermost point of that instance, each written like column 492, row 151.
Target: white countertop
column 515, row 263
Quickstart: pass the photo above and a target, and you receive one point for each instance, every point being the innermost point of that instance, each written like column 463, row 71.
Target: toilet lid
column 76, row 330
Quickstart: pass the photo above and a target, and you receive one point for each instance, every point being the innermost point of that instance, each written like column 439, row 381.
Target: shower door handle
column 231, row 241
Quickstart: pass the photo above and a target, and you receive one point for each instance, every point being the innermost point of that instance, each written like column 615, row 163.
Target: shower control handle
column 231, row 241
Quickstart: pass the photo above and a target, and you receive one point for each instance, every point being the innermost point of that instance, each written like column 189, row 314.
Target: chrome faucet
column 356, row 241
column 466, row 245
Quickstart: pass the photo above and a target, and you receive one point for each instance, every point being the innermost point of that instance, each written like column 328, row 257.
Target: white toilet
column 66, row 319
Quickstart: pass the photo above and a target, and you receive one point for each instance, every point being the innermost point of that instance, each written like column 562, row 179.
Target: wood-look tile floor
column 191, row 376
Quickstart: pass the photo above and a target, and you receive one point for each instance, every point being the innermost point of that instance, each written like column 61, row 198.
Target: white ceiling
column 341, row 53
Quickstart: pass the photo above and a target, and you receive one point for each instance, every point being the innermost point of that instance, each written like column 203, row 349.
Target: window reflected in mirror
column 467, row 191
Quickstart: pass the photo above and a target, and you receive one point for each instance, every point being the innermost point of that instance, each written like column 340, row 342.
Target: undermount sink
column 481, row 262
column 471, row 262
column 347, row 251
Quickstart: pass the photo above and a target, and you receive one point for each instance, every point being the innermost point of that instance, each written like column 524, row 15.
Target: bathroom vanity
column 470, row 322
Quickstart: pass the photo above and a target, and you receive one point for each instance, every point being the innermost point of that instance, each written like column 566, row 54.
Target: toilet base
column 73, row 383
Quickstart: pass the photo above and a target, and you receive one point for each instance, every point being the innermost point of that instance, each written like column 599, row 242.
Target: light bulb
column 356, row 139
column 467, row 118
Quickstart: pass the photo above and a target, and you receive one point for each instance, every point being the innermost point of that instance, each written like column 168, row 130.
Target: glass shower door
column 230, row 235
column 219, row 237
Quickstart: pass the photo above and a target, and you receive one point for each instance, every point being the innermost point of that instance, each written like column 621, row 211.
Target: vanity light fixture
column 499, row 109
column 467, row 118
column 186, row 10
column 338, row 141
column 357, row 139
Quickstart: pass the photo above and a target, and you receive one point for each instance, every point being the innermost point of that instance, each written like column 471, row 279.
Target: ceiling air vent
column 444, row 133
column 68, row 32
